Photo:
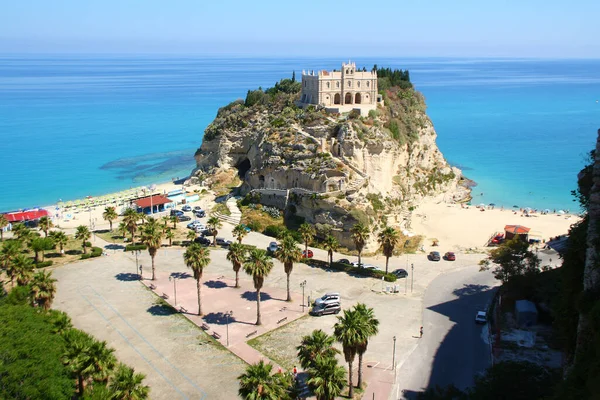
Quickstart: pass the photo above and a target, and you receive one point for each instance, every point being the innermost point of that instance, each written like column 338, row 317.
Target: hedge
column 134, row 247
column 176, row 242
column 96, row 252
column 350, row 269
column 43, row 264
column 88, row 244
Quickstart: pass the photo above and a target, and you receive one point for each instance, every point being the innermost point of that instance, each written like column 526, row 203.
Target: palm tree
column 130, row 218
column 152, row 238
column 83, row 234
column 165, row 220
column 331, row 244
column 100, row 361
column 258, row 265
column 60, row 239
column 237, row 255
column 3, row 224
column 349, row 332
column 326, row 379
column 169, row 234
column 41, row 244
column 43, row 288
column 110, row 215
column 370, row 328
column 308, row 233
column 360, row 235
column 21, row 232
column 61, row 322
column 318, row 343
column 21, row 270
column 239, row 232
column 288, row 253
column 10, row 249
column 45, row 224
column 174, row 220
column 197, row 258
column 151, row 221
column 258, row 383
column 191, row 235
column 122, row 229
column 127, row 385
column 388, row 239
column 214, row 223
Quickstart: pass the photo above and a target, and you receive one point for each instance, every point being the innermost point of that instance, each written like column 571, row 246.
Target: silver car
column 326, row 308
column 328, row 298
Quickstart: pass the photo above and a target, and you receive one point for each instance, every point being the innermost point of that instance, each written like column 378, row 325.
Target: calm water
column 72, row 127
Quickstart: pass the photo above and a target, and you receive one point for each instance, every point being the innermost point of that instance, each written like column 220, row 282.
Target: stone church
column 340, row 91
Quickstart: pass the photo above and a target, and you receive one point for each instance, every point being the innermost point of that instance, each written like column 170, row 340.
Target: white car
column 481, row 317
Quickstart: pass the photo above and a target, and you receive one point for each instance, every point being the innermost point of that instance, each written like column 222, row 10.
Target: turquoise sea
column 86, row 125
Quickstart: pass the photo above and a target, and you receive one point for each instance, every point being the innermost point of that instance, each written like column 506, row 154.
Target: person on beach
column 421, row 332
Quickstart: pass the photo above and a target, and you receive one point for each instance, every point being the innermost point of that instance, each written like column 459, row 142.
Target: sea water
column 73, row 126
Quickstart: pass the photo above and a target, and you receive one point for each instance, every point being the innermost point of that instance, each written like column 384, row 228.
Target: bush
column 43, row 264
column 350, row 269
column 275, row 231
column 86, row 256
column 88, row 244
column 133, row 247
column 176, row 243
column 254, row 225
column 96, row 252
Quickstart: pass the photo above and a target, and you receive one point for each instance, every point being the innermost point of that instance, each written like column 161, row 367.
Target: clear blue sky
column 517, row 28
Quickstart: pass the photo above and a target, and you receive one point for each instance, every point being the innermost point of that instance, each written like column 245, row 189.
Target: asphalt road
column 453, row 348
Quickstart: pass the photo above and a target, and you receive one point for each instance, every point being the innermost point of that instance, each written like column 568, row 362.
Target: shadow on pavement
column 251, row 296
column 462, row 353
column 216, row 284
column 161, row 310
column 219, row 318
column 114, row 247
column 181, row 275
column 127, row 277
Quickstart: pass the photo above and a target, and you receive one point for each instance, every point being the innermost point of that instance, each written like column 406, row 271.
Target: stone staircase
column 236, row 215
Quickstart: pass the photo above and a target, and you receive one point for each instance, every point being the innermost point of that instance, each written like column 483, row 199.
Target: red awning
column 516, row 229
column 26, row 215
column 152, row 201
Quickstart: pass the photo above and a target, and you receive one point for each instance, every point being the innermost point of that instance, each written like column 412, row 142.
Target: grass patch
column 221, row 208
column 280, row 344
column 259, row 219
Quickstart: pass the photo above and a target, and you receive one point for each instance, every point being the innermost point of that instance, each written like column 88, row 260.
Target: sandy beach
column 460, row 229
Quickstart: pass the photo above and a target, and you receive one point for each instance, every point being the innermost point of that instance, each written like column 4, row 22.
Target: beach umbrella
column 560, row 212
column 492, row 204
column 482, row 205
column 547, row 210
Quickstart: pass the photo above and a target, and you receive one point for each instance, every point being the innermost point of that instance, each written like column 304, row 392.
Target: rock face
column 333, row 170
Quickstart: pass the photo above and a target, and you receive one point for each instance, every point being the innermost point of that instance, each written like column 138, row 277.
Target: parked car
column 186, row 208
column 222, row 242
column 200, row 213
column 344, row 261
column 176, row 212
column 195, row 224
column 324, row 309
column 273, row 246
column 371, row 266
column 183, row 218
column 202, row 240
column 450, row 256
column 328, row 298
column 197, row 208
column 357, row 265
column 481, row 317
column 204, row 231
column 400, row 273
column 307, row 254
column 434, row 256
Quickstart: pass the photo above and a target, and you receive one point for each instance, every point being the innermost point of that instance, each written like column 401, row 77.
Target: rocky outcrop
column 338, row 168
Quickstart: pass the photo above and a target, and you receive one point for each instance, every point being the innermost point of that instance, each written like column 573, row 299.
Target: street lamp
column 174, row 279
column 412, row 276
column 227, row 315
column 394, row 355
column 302, row 285
column 137, row 253
column 141, row 273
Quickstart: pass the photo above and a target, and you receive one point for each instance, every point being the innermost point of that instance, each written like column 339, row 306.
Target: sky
column 468, row 28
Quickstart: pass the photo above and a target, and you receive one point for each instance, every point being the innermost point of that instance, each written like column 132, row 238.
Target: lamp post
column 137, row 253
column 412, row 276
column 174, row 279
column 302, row 285
column 227, row 315
column 141, row 272
column 394, row 355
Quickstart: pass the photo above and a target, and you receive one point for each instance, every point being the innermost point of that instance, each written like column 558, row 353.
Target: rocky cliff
column 331, row 169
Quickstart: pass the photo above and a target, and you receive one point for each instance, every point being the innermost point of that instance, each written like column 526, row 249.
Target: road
column 453, row 348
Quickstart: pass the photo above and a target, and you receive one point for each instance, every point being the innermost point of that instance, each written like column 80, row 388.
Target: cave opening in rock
column 243, row 167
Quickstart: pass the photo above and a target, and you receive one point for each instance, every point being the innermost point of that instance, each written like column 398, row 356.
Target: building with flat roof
column 340, row 91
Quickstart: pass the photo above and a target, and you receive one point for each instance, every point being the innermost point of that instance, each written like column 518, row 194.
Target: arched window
column 349, row 84
column 358, row 83
column 367, row 83
column 327, row 85
column 337, row 84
